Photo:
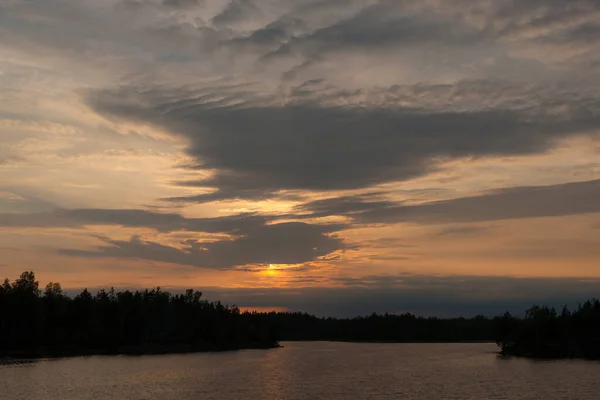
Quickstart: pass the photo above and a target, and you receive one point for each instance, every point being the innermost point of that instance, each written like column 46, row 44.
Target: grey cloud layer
column 285, row 243
column 308, row 145
column 383, row 25
column 320, row 95
column 253, row 242
column 510, row 203
column 314, row 134
column 395, row 24
column 310, row 29
column 260, row 239
column 162, row 222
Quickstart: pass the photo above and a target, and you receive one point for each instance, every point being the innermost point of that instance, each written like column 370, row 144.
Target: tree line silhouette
column 36, row 323
column 378, row 328
column 544, row 333
column 49, row 323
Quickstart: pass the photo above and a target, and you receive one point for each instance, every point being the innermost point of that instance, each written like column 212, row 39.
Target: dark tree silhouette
column 378, row 328
column 50, row 323
column 35, row 324
column 544, row 333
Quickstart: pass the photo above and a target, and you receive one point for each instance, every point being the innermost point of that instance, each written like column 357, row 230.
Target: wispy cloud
column 285, row 243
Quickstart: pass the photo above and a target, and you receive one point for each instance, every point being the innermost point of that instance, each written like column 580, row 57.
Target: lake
column 306, row 370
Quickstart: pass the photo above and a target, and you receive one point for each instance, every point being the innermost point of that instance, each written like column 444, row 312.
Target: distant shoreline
column 144, row 351
column 550, row 353
column 393, row 341
column 129, row 351
column 134, row 351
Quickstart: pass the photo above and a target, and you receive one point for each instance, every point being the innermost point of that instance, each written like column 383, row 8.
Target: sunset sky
column 334, row 156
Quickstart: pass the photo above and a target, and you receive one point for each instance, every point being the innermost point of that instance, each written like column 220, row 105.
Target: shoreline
column 392, row 341
column 138, row 351
column 129, row 351
column 545, row 357
column 167, row 350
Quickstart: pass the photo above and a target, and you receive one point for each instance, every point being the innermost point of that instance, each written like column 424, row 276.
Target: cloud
column 255, row 239
column 18, row 200
column 268, row 38
column 162, row 222
column 463, row 230
column 254, row 147
column 347, row 26
column 510, row 203
column 384, row 25
column 236, row 11
column 306, row 30
column 527, row 18
column 571, row 250
column 586, row 33
column 181, row 3
column 284, row 243
column 345, row 205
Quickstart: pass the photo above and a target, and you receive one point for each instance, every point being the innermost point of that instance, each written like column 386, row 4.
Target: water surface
column 306, row 370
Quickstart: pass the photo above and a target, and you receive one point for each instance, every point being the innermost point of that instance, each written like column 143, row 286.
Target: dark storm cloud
column 284, row 243
column 312, row 146
column 511, row 203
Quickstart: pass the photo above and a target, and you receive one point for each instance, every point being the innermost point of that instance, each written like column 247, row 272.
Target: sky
column 339, row 157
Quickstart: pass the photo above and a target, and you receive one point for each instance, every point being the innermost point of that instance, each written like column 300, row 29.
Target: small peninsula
column 544, row 333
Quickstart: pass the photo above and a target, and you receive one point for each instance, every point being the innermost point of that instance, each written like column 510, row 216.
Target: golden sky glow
column 300, row 146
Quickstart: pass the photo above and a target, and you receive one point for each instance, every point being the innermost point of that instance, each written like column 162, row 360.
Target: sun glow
column 271, row 270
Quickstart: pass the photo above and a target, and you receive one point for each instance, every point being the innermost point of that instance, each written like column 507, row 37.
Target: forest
column 545, row 333
column 379, row 328
column 47, row 323
column 35, row 323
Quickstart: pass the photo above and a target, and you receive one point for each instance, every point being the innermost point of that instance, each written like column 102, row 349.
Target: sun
column 271, row 270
